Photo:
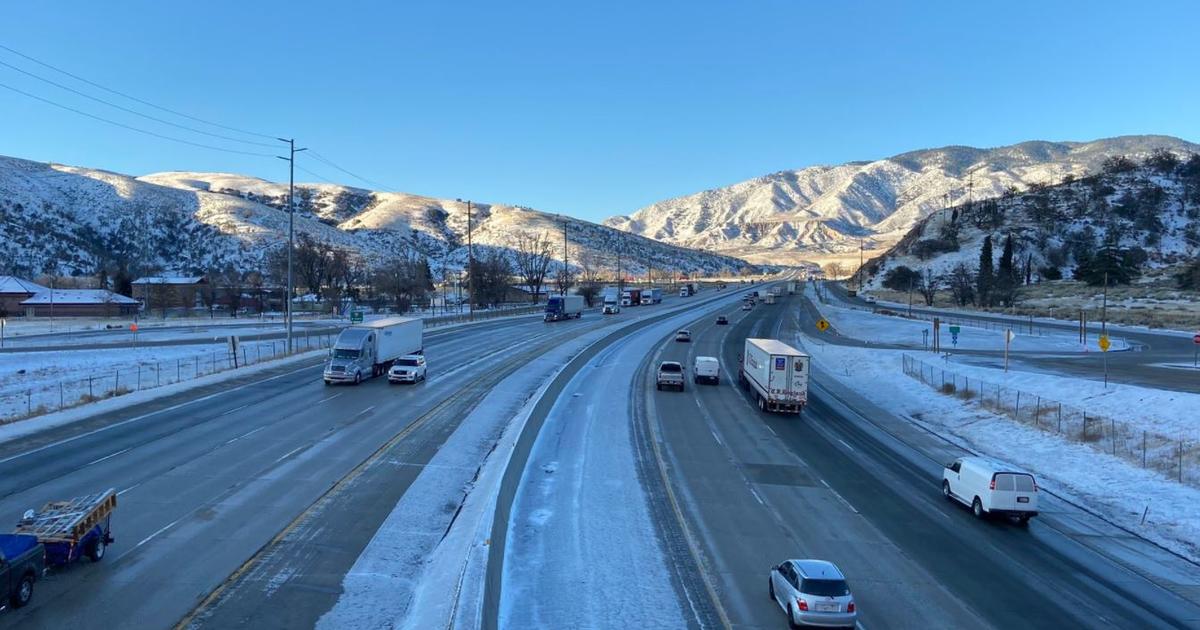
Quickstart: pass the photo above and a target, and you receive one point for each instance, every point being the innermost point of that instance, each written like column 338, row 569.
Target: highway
column 844, row 484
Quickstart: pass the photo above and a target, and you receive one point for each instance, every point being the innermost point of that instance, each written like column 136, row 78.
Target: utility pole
column 291, row 160
column 565, row 276
column 1104, row 308
column 470, row 266
column 860, row 264
column 620, row 277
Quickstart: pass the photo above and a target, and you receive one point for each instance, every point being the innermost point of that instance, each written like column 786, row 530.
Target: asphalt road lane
column 206, row 484
column 759, row 487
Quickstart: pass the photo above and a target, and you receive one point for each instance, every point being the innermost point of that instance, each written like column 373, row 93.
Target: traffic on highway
column 687, row 435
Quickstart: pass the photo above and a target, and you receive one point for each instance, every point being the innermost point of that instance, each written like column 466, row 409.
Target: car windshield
column 408, row 362
column 345, row 353
column 824, row 588
column 670, row 367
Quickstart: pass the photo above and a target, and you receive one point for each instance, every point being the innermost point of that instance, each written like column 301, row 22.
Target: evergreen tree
column 1006, row 277
column 984, row 279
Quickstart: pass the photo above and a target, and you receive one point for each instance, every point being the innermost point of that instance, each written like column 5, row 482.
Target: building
column 79, row 303
column 162, row 292
column 13, row 291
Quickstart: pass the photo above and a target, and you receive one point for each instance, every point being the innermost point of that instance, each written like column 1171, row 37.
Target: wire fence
column 118, row 380
column 1175, row 458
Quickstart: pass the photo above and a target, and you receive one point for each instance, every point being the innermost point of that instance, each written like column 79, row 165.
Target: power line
column 350, row 173
column 130, row 127
column 134, row 98
column 134, row 112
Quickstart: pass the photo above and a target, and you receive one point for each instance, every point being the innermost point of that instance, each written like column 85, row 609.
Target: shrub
column 1050, row 273
column 901, row 278
column 948, row 388
column 928, row 248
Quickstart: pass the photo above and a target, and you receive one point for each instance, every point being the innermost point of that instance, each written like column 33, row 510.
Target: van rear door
column 1014, row 491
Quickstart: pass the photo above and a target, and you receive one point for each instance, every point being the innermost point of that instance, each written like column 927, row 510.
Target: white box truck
column 776, row 374
column 560, row 307
column 612, row 300
column 770, row 299
column 791, row 287
column 369, row 349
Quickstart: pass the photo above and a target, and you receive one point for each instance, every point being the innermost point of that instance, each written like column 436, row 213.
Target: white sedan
column 407, row 369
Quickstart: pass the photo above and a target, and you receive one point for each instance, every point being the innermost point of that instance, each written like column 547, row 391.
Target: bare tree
column 564, row 278
column 961, row 281
column 929, row 285
column 834, row 270
column 534, row 253
column 232, row 282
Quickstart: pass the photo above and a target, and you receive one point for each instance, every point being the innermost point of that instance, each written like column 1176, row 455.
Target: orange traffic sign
column 822, row 325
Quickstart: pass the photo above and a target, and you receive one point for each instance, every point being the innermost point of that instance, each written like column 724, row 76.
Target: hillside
column 1147, row 209
column 816, row 212
column 79, row 220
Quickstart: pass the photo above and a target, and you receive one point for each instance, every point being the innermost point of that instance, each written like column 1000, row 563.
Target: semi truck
column 631, row 297
column 611, row 299
column 559, row 307
column 791, row 287
column 687, row 289
column 776, row 374
column 652, row 296
column 770, row 299
column 367, row 350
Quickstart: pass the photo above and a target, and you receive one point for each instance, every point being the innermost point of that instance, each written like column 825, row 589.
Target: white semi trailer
column 776, row 373
column 369, row 349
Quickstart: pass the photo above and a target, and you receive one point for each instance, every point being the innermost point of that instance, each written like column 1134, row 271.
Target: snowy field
column 900, row 331
column 1114, row 487
column 30, row 381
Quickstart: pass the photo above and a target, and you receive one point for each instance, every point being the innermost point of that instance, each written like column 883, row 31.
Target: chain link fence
column 118, row 380
column 1174, row 457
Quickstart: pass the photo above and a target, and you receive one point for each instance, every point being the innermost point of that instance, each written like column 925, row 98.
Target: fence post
column 90, row 393
column 116, row 381
column 1180, row 477
column 1037, row 413
column 178, row 370
column 29, row 402
column 61, row 402
column 1084, row 426
column 196, row 369
column 998, row 398
column 943, row 380
column 1017, row 411
column 1059, row 417
column 1113, row 427
column 1143, row 449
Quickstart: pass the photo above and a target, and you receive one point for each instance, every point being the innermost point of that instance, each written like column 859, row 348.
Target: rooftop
column 13, row 284
column 78, row 296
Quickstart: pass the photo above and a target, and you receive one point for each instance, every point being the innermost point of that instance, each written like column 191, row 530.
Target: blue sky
column 593, row 109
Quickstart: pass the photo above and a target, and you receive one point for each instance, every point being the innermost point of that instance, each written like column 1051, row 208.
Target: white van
column 991, row 487
column 707, row 369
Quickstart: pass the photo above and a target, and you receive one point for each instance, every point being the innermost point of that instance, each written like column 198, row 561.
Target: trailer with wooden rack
column 73, row 528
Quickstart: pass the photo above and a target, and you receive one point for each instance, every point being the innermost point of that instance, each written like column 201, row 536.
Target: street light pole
column 291, row 160
column 565, row 276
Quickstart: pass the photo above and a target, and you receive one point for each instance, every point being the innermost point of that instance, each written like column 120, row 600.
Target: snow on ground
column 409, row 575
column 901, row 331
column 1112, row 486
column 51, row 380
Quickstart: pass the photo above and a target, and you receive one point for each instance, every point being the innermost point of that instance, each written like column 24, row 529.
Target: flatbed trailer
column 72, row 528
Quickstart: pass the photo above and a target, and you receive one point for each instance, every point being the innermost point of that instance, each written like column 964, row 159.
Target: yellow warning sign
column 1104, row 343
column 822, row 325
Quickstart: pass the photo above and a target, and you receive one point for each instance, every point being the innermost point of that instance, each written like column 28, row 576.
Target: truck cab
column 352, row 357
column 22, row 562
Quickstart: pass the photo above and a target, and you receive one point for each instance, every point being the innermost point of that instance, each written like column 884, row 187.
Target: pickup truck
column 22, row 562
column 670, row 374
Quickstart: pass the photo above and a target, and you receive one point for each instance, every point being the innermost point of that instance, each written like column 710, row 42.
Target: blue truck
column 560, row 307
column 58, row 534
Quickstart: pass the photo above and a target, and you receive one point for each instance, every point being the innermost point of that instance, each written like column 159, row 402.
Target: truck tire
column 762, row 403
column 23, row 593
column 977, row 509
column 96, row 549
column 357, row 377
column 658, row 386
column 946, row 489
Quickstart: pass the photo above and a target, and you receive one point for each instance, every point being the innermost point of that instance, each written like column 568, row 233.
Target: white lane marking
column 330, row 398
column 772, row 431
column 288, row 454
column 148, row 415
column 825, row 483
column 234, row 410
column 161, row 530
column 716, row 437
column 246, row 434
column 756, row 497
column 845, row 444
column 109, row 456
column 843, row 500
column 364, row 411
column 130, row 488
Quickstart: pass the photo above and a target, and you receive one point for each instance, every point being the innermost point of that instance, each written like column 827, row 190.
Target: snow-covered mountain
column 1151, row 207
column 79, row 220
column 821, row 210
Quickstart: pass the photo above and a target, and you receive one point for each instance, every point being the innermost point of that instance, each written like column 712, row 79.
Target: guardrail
column 1175, row 458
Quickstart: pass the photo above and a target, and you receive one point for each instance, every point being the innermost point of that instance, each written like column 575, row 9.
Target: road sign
column 1196, row 338
column 954, row 337
column 133, row 327
column 356, row 317
column 822, row 325
column 1010, row 335
column 954, row 329
column 1104, row 344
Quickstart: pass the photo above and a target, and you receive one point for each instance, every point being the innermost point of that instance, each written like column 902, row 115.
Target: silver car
column 813, row 593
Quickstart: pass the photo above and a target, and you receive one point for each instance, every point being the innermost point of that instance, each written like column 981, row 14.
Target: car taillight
column 992, row 486
column 802, row 605
column 850, row 607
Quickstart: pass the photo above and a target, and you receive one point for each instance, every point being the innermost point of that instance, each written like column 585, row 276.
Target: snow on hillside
column 79, row 220
column 1154, row 208
column 791, row 215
